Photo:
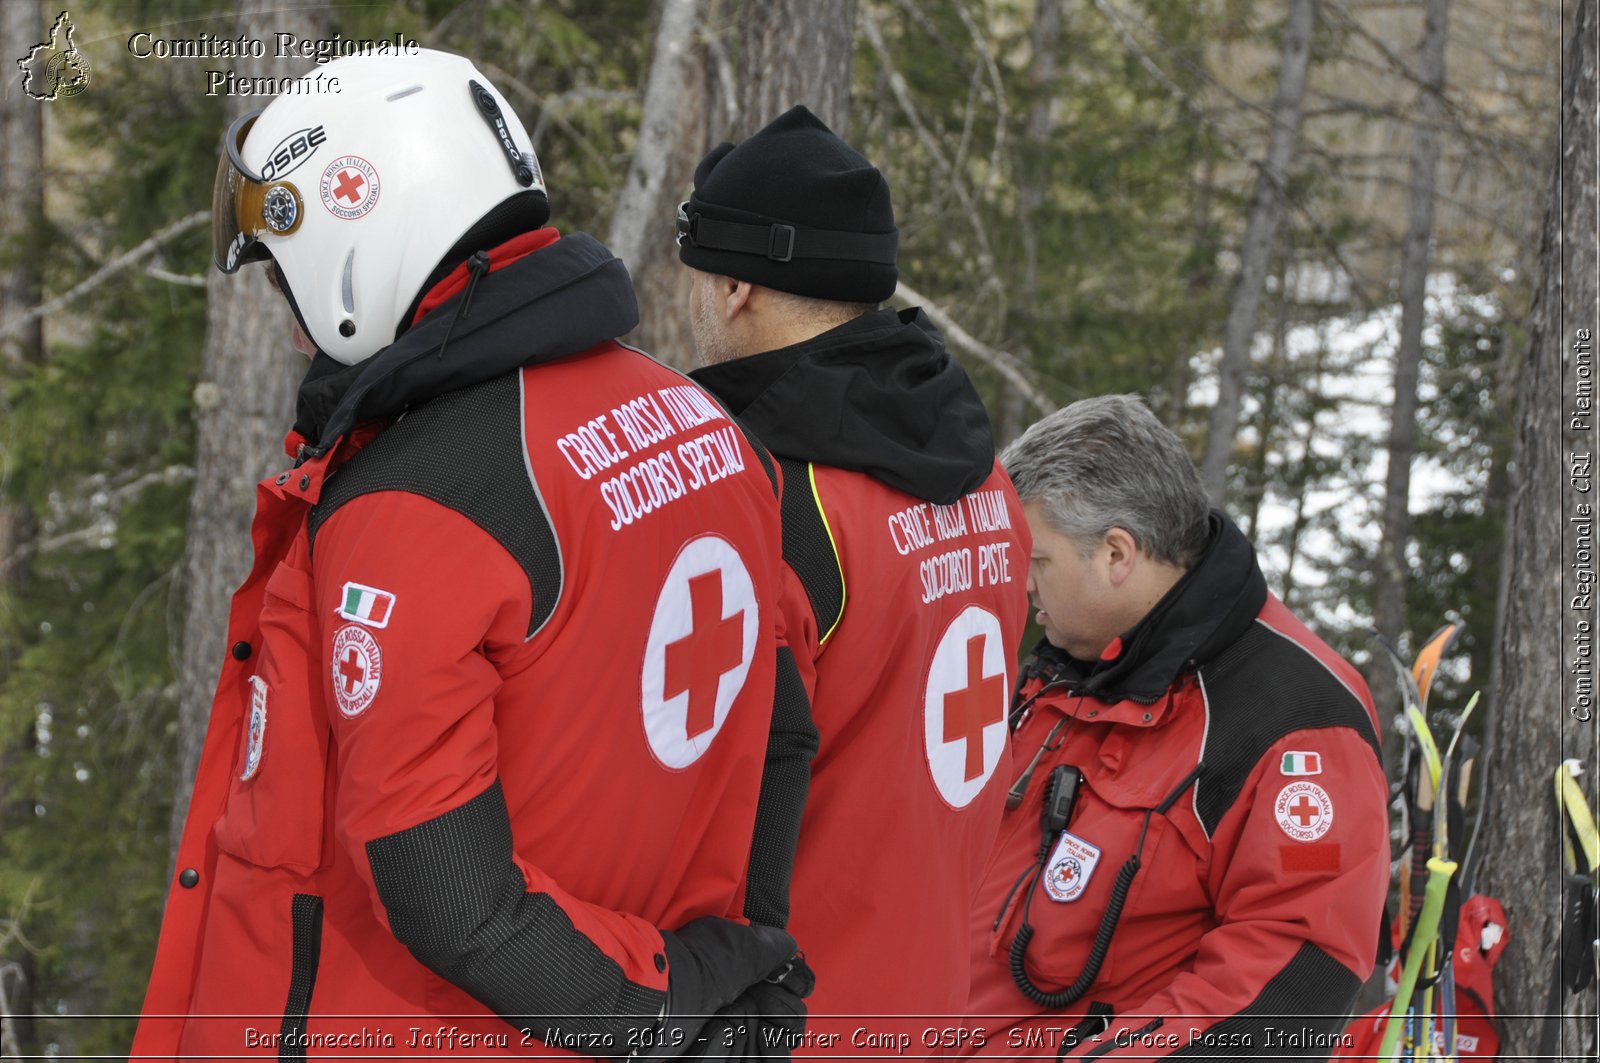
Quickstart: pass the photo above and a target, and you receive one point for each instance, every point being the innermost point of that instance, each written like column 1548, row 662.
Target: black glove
column 712, row 961
column 767, row 1021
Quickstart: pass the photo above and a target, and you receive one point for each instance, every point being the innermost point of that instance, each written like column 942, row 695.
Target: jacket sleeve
column 420, row 807
column 1297, row 912
column 791, row 744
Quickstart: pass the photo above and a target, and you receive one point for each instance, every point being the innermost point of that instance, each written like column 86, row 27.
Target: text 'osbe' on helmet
column 359, row 194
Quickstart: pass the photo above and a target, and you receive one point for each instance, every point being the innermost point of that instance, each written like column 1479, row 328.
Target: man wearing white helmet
column 487, row 744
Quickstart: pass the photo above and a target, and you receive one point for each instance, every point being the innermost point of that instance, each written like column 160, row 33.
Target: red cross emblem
column 713, row 647
column 1305, row 810
column 357, row 669
column 702, row 643
column 349, row 185
column 972, row 708
column 964, row 706
column 353, row 669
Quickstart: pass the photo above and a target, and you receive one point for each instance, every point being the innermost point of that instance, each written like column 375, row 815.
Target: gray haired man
column 1206, row 767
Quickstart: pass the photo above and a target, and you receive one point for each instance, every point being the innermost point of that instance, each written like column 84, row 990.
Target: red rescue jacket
column 497, row 701
column 1253, row 916
column 911, row 548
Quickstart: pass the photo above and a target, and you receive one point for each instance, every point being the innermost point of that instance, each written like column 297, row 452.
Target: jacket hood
column 553, row 302
column 878, row 395
column 1214, row 603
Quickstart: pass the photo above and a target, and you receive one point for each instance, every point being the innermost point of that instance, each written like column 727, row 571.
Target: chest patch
column 1071, row 865
column 256, row 735
column 701, row 644
column 1304, row 811
column 964, row 707
column 357, row 669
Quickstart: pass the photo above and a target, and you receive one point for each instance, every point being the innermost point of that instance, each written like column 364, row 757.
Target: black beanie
column 795, row 208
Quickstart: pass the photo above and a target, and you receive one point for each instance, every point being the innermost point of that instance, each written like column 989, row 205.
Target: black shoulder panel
column 755, row 444
column 808, row 546
column 464, row 450
column 1257, row 690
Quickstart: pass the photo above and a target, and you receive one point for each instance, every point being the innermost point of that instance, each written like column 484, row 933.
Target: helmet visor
column 243, row 206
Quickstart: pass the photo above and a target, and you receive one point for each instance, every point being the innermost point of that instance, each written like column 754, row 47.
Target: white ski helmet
column 358, row 195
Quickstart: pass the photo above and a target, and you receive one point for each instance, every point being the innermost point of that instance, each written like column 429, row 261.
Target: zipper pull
column 477, row 268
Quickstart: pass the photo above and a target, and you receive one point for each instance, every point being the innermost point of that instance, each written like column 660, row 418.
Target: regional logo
column 1304, row 811
column 349, row 187
column 1070, row 867
column 702, row 641
column 964, row 706
column 357, row 664
column 55, row 68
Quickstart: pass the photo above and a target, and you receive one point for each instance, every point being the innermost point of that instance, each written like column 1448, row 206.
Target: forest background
column 1323, row 238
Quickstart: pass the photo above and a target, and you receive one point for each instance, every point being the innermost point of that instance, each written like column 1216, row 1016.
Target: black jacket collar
column 553, row 302
column 1214, row 603
column 878, row 394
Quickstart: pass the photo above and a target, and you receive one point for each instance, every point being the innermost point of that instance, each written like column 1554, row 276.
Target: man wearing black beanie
column 910, row 554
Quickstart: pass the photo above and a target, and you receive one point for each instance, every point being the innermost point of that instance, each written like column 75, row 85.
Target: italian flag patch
column 1295, row 763
column 366, row 605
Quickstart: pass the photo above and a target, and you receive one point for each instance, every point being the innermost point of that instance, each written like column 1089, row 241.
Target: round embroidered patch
column 256, row 736
column 1304, row 811
column 357, row 664
column 349, row 187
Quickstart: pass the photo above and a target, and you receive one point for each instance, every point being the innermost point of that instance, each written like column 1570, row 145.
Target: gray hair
column 1107, row 463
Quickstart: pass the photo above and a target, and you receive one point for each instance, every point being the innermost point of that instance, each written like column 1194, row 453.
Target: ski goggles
column 245, row 205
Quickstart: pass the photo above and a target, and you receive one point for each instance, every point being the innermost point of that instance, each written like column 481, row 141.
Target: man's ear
column 1122, row 555
column 734, row 295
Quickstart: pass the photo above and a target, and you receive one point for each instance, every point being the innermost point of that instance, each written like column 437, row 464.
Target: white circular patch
column 357, row 667
column 256, row 736
column 964, row 707
column 349, row 187
column 701, row 643
column 1304, row 811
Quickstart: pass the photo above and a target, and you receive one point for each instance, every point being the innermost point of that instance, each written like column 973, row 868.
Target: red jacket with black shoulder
column 498, row 700
column 909, row 551
column 1237, row 756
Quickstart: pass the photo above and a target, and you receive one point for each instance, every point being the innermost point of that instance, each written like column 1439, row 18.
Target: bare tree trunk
column 1537, row 716
column 22, row 191
column 699, row 115
column 1260, row 233
column 638, row 218
column 21, row 183
column 1198, row 286
column 244, row 404
column 1389, row 574
column 1308, row 457
column 1267, row 419
column 1033, row 179
column 796, row 51
column 815, row 39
